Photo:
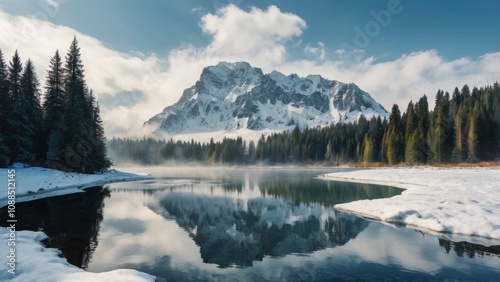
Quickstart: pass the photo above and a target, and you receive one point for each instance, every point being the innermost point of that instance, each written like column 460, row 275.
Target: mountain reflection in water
column 235, row 232
column 244, row 224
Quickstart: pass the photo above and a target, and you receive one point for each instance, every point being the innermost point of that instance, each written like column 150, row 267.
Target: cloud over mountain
column 262, row 37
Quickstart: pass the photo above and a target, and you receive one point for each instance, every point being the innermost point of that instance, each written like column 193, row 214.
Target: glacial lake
column 247, row 224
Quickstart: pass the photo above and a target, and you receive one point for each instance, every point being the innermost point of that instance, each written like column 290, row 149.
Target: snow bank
column 459, row 201
column 33, row 183
column 34, row 262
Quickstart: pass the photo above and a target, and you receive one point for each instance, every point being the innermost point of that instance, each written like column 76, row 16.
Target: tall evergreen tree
column 53, row 108
column 97, row 156
column 496, row 119
column 82, row 135
column 77, row 114
column 395, row 139
column 5, row 113
column 31, row 135
column 473, row 132
column 410, row 126
column 459, row 148
column 18, row 118
column 437, row 134
column 421, row 131
column 368, row 150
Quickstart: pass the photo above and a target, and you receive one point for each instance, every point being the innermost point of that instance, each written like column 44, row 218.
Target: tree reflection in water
column 71, row 222
column 469, row 249
column 238, row 232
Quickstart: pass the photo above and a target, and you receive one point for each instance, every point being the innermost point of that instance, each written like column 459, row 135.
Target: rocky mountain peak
column 232, row 96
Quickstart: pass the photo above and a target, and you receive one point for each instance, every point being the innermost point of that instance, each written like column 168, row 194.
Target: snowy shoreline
column 458, row 201
column 34, row 183
column 35, row 262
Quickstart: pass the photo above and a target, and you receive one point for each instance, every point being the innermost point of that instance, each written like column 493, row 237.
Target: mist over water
column 257, row 224
column 247, row 224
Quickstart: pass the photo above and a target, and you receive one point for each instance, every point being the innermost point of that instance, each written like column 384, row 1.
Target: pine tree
column 98, row 157
column 383, row 145
column 437, row 134
column 458, row 150
column 82, row 135
column 5, row 114
column 18, row 118
column 449, row 143
column 77, row 118
column 53, row 109
column 472, row 134
column 368, row 150
column 30, row 136
column 421, row 132
column 329, row 155
column 410, row 126
column 377, row 132
column 395, row 139
column 496, row 119
column 251, row 151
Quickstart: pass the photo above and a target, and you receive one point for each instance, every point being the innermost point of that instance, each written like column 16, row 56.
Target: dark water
column 197, row 224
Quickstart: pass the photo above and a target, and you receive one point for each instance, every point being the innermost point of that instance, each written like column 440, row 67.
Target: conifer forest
column 463, row 126
column 57, row 126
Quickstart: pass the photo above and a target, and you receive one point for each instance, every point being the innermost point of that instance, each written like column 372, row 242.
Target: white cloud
column 405, row 78
column 107, row 71
column 53, row 3
column 257, row 33
column 260, row 37
column 319, row 52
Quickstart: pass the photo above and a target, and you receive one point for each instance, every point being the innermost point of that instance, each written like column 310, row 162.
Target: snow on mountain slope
column 234, row 96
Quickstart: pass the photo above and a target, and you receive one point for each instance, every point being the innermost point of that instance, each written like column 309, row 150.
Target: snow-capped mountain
column 233, row 96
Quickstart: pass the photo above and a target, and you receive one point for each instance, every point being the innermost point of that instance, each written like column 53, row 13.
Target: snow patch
column 458, row 201
column 33, row 183
column 37, row 263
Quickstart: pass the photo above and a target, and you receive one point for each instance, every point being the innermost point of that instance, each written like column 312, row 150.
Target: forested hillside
column 60, row 128
column 462, row 127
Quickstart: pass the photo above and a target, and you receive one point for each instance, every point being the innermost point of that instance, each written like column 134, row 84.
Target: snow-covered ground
column 458, row 201
column 34, row 262
column 32, row 183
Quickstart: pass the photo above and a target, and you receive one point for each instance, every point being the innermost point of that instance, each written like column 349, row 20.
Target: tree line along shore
column 463, row 127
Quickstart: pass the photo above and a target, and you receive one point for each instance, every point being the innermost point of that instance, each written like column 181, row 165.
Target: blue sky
column 139, row 56
column 454, row 28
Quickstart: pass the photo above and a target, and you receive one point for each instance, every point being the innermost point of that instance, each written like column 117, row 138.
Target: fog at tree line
column 65, row 130
column 462, row 127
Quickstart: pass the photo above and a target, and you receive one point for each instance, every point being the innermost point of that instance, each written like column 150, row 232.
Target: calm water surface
column 199, row 224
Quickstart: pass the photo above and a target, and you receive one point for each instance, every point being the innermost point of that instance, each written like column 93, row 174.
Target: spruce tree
column 98, row 157
column 5, row 114
column 53, row 109
column 495, row 92
column 449, row 118
column 395, row 139
column 378, row 134
column 421, row 145
column 459, row 148
column 410, row 126
column 76, row 120
column 17, row 119
column 472, row 134
column 437, row 134
column 79, row 141
column 30, row 136
column 368, row 150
